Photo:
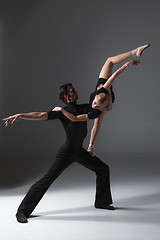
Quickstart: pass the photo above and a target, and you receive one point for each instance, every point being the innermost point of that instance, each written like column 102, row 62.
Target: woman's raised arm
column 111, row 79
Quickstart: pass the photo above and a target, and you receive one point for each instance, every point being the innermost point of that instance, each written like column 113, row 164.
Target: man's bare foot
column 138, row 51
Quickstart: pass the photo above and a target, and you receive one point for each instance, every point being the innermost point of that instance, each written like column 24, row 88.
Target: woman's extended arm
column 26, row 116
column 111, row 79
column 94, row 132
column 70, row 116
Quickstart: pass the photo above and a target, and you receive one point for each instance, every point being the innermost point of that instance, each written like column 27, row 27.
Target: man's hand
column 57, row 109
column 11, row 119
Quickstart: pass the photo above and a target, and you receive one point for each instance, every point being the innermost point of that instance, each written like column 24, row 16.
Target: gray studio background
column 46, row 43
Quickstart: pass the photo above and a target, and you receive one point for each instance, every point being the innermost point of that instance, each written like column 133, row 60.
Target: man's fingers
column 5, row 119
column 6, row 123
column 14, row 119
column 8, row 120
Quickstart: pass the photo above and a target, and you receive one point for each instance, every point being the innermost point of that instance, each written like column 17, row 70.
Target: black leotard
column 94, row 113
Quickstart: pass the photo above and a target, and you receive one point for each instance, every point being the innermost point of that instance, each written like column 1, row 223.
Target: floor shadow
column 138, row 209
column 89, row 208
column 148, row 199
column 34, row 216
column 70, row 210
column 142, row 217
column 124, row 204
column 130, row 210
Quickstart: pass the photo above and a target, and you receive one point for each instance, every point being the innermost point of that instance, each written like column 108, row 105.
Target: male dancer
column 70, row 152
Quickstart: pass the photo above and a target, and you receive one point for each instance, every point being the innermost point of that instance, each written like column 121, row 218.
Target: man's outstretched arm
column 26, row 116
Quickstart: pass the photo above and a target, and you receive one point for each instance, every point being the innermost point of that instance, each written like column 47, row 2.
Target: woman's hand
column 132, row 63
column 11, row 119
column 91, row 152
column 57, row 109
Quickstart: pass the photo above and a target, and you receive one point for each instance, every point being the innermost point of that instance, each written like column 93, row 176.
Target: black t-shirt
column 94, row 113
column 75, row 131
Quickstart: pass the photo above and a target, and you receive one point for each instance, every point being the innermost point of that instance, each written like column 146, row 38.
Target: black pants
column 64, row 158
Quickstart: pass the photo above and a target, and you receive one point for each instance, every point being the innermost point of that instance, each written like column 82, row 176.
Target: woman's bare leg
column 106, row 70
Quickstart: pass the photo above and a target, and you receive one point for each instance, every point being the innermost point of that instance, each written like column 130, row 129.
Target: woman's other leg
column 107, row 68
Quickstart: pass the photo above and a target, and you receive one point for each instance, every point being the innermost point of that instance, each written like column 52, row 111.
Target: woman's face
column 96, row 104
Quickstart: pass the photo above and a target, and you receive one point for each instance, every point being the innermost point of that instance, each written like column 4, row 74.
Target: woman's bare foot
column 138, row 51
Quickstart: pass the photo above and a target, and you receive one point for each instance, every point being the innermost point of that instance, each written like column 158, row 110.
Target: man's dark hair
column 64, row 90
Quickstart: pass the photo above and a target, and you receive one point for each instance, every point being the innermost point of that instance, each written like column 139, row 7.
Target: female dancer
column 102, row 98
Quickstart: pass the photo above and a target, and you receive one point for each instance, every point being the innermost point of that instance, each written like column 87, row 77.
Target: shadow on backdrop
column 48, row 43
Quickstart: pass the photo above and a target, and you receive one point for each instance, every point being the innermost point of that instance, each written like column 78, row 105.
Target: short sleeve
column 54, row 115
column 94, row 113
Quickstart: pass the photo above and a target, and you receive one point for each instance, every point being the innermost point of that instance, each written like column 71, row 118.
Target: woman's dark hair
column 64, row 90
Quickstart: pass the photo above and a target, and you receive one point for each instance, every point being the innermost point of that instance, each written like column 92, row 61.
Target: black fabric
column 71, row 151
column 101, row 81
column 75, row 131
column 94, row 113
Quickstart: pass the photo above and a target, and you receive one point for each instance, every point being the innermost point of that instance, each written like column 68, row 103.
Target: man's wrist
column 20, row 115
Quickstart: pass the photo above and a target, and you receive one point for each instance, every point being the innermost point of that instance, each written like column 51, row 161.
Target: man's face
column 72, row 95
